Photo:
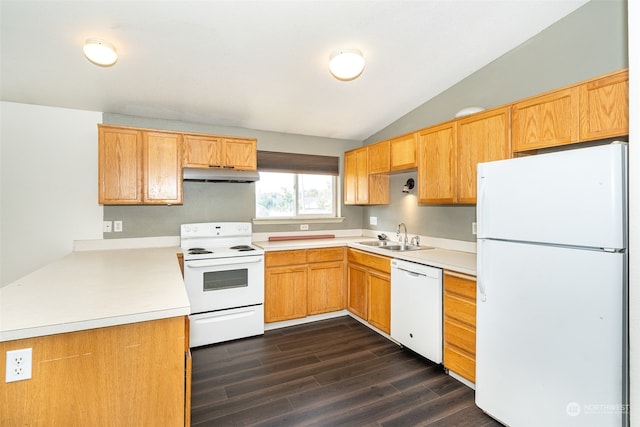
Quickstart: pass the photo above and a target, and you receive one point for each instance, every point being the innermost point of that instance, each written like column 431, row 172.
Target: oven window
column 228, row 279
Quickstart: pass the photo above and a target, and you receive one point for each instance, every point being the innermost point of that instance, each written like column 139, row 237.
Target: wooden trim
column 460, row 275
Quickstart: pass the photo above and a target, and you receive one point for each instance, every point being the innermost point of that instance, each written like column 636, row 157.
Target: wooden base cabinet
column 460, row 324
column 135, row 374
column 304, row 282
column 369, row 284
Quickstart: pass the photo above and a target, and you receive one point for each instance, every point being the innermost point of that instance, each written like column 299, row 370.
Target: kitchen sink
column 379, row 243
column 394, row 246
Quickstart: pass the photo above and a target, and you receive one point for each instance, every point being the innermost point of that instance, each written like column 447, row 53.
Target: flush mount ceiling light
column 346, row 64
column 100, row 52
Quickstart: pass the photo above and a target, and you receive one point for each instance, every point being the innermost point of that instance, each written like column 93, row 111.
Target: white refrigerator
column 551, row 343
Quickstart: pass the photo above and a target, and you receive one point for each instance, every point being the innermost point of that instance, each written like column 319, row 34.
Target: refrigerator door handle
column 482, row 294
column 480, row 201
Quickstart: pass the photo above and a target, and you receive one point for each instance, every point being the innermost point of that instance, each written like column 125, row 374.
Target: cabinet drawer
column 460, row 363
column 459, row 335
column 273, row 259
column 459, row 286
column 460, row 309
column 376, row 262
column 325, row 254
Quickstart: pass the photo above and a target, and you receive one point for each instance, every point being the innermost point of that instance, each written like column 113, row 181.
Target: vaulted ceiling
column 259, row 64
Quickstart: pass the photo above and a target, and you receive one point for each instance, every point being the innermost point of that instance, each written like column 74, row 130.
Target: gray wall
column 587, row 43
column 210, row 202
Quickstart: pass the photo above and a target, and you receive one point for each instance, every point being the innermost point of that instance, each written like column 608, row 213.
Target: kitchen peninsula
column 107, row 329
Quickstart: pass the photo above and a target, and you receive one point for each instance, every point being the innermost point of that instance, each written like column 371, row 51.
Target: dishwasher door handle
column 411, row 273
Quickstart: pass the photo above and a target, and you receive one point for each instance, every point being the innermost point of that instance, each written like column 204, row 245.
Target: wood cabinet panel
column 285, row 293
column 379, row 157
column 202, row 151
column 460, row 363
column 460, row 324
column 483, row 137
column 326, row 287
column 437, row 164
column 379, row 301
column 546, row 121
column 240, row 153
column 326, row 254
column 377, row 262
column 604, row 107
column 162, row 168
column 404, row 152
column 357, row 290
column 85, row 378
column 281, row 258
column 119, row 171
column 360, row 187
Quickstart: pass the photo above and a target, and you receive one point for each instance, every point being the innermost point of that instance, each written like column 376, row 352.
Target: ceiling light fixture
column 346, row 64
column 100, row 52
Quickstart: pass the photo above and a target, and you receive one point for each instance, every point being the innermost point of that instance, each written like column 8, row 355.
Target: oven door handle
column 203, row 263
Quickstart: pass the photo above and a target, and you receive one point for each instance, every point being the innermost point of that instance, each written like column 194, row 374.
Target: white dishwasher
column 416, row 308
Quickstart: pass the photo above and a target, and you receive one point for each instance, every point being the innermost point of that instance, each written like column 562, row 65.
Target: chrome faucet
column 406, row 239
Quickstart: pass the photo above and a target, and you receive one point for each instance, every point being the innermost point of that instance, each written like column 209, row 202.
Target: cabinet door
column 201, row 151
column 162, row 168
column 357, row 291
column 437, row 164
column 482, row 137
column 379, row 157
column 326, row 289
column 240, row 153
column 547, row 120
column 403, row 152
column 350, row 178
column 362, row 174
column 460, row 324
column 119, row 166
column 379, row 302
column 285, row 295
column 604, row 107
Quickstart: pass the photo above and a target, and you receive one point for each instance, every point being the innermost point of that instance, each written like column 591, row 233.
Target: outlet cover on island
column 373, row 220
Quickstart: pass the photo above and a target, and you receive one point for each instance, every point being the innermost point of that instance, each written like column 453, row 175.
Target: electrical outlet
column 117, row 226
column 106, row 226
column 304, row 226
column 18, row 365
column 373, row 220
column 474, row 228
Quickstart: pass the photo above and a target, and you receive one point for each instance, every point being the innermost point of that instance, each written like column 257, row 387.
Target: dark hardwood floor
column 334, row 372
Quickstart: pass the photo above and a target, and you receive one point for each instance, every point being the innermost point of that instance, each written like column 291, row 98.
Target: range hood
column 219, row 175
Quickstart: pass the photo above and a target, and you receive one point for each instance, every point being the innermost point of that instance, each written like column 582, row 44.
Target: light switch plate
column 373, row 220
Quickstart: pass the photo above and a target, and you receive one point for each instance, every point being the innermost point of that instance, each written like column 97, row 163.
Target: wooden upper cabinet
column 119, row 171
column 403, row 152
column 604, row 107
column 162, row 168
column 241, row 153
column 437, row 164
column 591, row 110
column 546, row 120
column 483, row 137
column 360, row 187
column 378, row 156
column 201, row 151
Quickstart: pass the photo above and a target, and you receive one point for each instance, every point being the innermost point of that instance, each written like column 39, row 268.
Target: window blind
column 274, row 161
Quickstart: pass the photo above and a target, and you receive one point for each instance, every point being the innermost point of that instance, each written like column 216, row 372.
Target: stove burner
column 242, row 248
column 199, row 251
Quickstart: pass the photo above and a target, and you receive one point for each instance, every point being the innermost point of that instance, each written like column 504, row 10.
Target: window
column 295, row 195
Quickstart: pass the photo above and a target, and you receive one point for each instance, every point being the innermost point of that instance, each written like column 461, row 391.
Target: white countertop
column 459, row 261
column 92, row 289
